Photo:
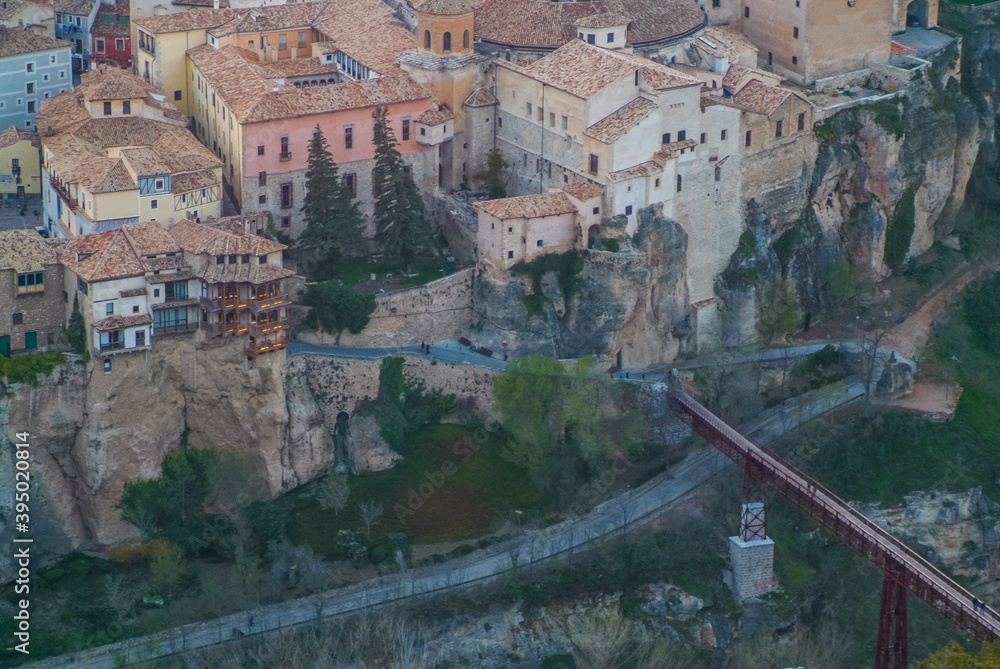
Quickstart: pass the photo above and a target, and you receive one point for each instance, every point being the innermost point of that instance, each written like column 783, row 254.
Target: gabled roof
column 584, row 69
column 13, row 135
column 74, row 7
column 102, row 256
column 646, row 169
column 433, row 117
column 274, row 17
column 761, row 98
column 199, row 238
column 27, row 251
column 14, row 42
column 616, row 124
column 120, row 322
column 583, row 191
column 529, row 206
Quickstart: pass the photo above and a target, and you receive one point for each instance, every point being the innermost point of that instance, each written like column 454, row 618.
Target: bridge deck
column 895, row 558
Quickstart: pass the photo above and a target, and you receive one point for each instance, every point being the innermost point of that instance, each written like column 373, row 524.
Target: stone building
column 35, row 17
column 116, row 153
column 74, row 21
column 32, row 68
column 20, row 163
column 32, row 303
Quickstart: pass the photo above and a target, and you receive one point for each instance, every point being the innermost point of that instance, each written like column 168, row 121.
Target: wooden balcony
column 264, row 347
column 262, row 303
column 63, row 192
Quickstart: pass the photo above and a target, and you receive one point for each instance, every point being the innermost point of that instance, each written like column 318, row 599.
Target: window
column 527, row 107
column 177, row 95
column 656, row 184
column 286, row 195
column 107, row 365
column 31, row 107
column 107, row 109
column 552, row 119
column 262, row 179
column 126, row 106
column 538, row 243
column 286, row 221
column 718, row 173
column 351, row 183
column 541, row 114
column 31, row 88
column 597, row 210
column 748, row 139
column 348, row 136
column 158, row 184
column 99, row 44
column 213, row 100
column 777, row 128
column 262, row 198
column 723, row 135
column 156, row 292
column 219, row 260
column 302, row 39
column 135, row 309
column 261, row 260
column 802, row 121
column 245, row 259
column 704, row 138
column 795, row 32
column 510, row 254
column 446, row 39
column 153, row 204
column 81, row 285
column 680, row 183
column 746, row 12
column 18, row 319
column 666, row 138
column 499, row 122
column 628, row 210
column 715, row 3
column 119, row 44
column 140, row 337
column 565, row 123
column 591, row 38
column 260, row 149
column 232, row 259
column 593, row 163
column 427, row 39
column 770, row 58
column 682, row 135
column 285, row 154
column 50, row 338
column 282, row 45
column 423, row 131
column 169, row 318
column 109, row 308
column 465, row 40
column 795, row 60
column 175, row 291
column 406, row 128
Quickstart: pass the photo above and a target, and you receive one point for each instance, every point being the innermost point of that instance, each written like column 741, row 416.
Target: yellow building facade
column 20, row 168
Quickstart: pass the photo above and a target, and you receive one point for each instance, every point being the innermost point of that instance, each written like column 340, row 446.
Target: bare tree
column 333, row 493
column 625, row 508
column 370, row 513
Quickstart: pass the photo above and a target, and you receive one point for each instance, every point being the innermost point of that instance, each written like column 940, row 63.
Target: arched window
column 447, row 41
column 427, row 39
column 679, row 183
column 465, row 40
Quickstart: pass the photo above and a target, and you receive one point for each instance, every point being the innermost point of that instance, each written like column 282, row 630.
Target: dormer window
column 158, row 184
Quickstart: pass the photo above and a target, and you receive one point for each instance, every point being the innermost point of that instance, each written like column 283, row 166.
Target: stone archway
column 592, row 237
column 916, row 14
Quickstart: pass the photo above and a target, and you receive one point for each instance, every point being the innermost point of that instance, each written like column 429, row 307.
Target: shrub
column 900, row 229
column 611, row 245
column 26, row 368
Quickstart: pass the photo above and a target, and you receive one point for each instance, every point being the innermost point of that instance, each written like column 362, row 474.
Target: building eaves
column 529, row 206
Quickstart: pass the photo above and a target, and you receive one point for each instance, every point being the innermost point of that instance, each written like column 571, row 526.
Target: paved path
column 446, row 351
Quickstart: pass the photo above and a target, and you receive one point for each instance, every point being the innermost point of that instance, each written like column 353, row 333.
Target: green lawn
column 450, row 488
column 354, row 271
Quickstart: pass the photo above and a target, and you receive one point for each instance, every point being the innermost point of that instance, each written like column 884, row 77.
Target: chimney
column 215, row 4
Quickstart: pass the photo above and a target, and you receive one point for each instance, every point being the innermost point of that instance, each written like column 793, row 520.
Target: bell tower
column 445, row 27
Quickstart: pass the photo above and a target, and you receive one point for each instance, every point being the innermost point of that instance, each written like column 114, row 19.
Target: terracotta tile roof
column 761, row 98
column 223, row 4
column 701, row 304
column 150, row 239
column 723, row 43
column 613, row 126
column 27, row 251
column 481, row 97
column 534, row 23
column 646, row 169
column 102, row 256
column 899, row 47
column 243, row 273
column 185, row 183
column 13, row 135
column 203, row 19
column 367, row 31
column 107, row 82
column 298, row 67
column 529, row 206
column 433, row 117
column 11, row 8
column 673, row 149
column 274, row 17
column 74, row 7
column 118, row 322
column 132, row 292
column 584, row 69
column 199, row 238
column 14, row 42
column 583, row 191
column 605, row 20
column 110, row 27
column 254, row 98
column 180, row 275
column 444, row 7
column 80, row 154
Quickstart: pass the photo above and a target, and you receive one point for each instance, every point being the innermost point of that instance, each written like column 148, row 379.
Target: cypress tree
column 76, row 331
column 333, row 221
column 400, row 227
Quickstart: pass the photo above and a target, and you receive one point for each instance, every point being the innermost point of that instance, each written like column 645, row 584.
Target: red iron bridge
column 904, row 570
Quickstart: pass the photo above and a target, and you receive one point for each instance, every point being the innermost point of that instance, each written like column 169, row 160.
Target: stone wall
column 778, row 179
column 753, row 566
column 435, row 311
column 43, row 313
column 455, row 215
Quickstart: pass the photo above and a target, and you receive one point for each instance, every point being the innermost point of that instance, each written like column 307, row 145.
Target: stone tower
column 446, row 63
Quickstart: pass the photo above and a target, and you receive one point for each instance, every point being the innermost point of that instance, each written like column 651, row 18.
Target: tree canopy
column 333, row 221
column 493, row 178
column 336, row 307
column 401, row 230
column 956, row 657
column 779, row 316
column 76, row 331
column 563, row 424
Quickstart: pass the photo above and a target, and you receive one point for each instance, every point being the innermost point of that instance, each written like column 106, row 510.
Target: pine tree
column 493, row 177
column 400, row 228
column 333, row 221
column 76, row 331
